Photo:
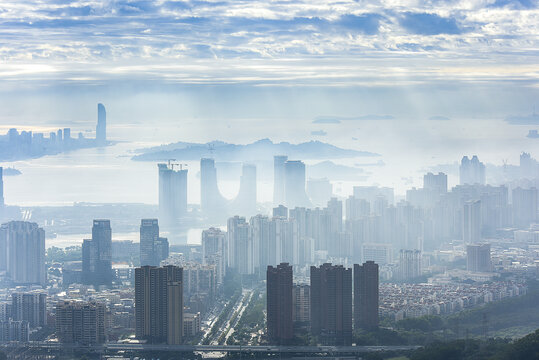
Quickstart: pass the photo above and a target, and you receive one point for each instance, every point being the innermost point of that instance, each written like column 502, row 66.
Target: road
column 112, row 347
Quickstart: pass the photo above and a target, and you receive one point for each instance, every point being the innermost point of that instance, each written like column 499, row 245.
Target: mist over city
column 269, row 179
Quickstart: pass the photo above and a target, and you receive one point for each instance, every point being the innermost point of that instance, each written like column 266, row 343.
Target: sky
column 440, row 76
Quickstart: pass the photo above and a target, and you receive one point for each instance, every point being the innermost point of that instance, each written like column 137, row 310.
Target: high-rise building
column 22, row 252
column 11, row 330
column 366, row 282
column 279, row 179
column 97, row 255
column 471, row 221
column 159, row 304
column 1, row 189
column 101, row 128
column 31, row 307
column 240, row 246
column 260, row 232
column 80, row 322
column 279, row 304
column 331, row 304
column 245, row 202
column 301, row 299
column 357, row 208
column 409, row 264
column 214, row 251
column 172, row 194
column 524, row 207
column 211, row 200
column 280, row 211
column 478, row 258
column 472, row 171
column 371, row 193
column 436, row 183
column 153, row 249
column 294, row 188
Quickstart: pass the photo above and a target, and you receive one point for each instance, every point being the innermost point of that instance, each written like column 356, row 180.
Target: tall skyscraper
column 366, row 282
column 471, row 221
column 22, row 252
column 279, row 304
column 524, row 206
column 436, row 183
column 279, row 179
column 97, row 255
column 159, row 304
column 294, row 184
column 80, row 322
column 472, row 171
column 331, row 304
column 153, row 249
column 240, row 246
column 214, row 251
column 280, row 211
column 211, row 200
column 101, row 128
column 245, row 202
column 1, row 190
column 478, row 258
column 31, row 307
column 172, row 194
column 409, row 264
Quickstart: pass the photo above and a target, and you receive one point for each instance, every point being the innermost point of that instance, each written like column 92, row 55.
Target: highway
column 114, row 347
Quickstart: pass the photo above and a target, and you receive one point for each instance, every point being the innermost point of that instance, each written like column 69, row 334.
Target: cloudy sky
column 241, row 63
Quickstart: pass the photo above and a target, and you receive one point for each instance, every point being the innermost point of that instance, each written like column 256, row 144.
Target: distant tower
column 471, row 221
column 1, row 188
column 96, row 255
column 101, row 128
column 172, row 194
column 472, row 171
column 245, row 202
column 294, row 185
column 278, row 179
column 211, row 200
column 153, row 249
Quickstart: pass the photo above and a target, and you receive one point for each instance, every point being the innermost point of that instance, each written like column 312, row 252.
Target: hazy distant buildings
column 379, row 253
column 2, row 203
column 280, row 211
column 435, row 182
column 97, row 255
column 471, row 221
column 294, row 188
column 319, row 191
column 372, row 193
column 478, row 258
column 12, row 330
column 524, row 207
column 240, row 246
column 409, row 265
column 101, row 128
column 279, row 179
column 22, row 252
column 366, row 282
column 172, row 194
column 80, row 322
column 472, row 171
column 159, row 304
column 279, row 304
column 214, row 251
column 153, row 249
column 331, row 304
column 245, row 201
